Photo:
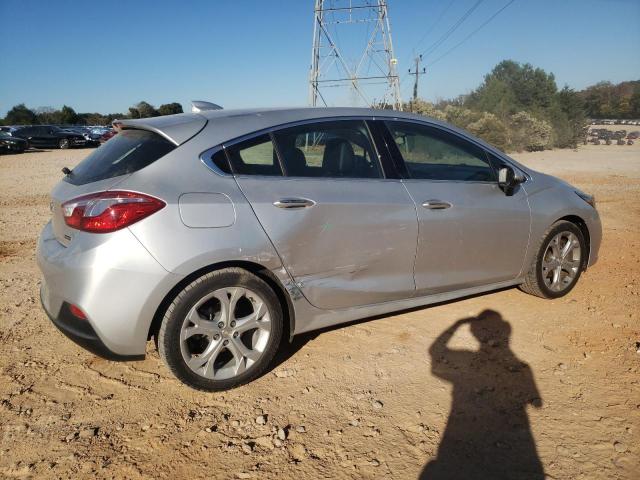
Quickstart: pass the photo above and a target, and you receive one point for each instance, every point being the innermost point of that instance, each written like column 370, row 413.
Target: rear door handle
column 294, row 203
column 436, row 205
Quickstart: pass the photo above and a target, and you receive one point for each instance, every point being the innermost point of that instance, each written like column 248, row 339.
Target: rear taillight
column 106, row 212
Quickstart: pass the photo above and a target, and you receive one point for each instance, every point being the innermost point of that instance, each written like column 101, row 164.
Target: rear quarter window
column 127, row 152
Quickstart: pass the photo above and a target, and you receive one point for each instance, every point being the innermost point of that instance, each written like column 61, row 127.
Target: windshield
column 125, row 153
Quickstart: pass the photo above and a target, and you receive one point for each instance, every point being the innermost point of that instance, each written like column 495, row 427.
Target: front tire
column 222, row 330
column 64, row 143
column 558, row 263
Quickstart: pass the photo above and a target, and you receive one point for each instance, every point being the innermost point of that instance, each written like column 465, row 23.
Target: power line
column 471, row 34
column 434, row 25
column 452, row 29
column 430, row 29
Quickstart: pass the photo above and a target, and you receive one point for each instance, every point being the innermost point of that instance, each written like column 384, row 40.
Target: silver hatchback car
column 221, row 233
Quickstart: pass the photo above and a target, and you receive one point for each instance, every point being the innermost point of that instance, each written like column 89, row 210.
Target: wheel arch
column 582, row 225
column 259, row 270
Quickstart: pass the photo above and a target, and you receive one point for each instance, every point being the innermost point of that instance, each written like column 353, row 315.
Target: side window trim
column 205, row 157
column 276, row 148
column 445, row 131
column 378, row 131
column 376, row 152
column 393, row 155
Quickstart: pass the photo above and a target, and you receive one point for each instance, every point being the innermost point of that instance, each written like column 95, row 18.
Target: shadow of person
column 487, row 433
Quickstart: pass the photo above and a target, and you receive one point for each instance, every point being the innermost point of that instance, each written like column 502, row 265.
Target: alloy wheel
column 561, row 261
column 225, row 333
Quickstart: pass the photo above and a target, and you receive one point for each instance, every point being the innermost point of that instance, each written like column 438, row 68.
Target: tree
column 68, row 116
column 170, row 108
column 93, row 118
column 20, row 115
column 146, row 110
column 496, row 96
column 47, row 115
column 511, row 87
column 606, row 100
column 575, row 119
column 634, row 102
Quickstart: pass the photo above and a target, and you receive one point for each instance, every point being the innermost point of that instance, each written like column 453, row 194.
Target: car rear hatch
column 139, row 143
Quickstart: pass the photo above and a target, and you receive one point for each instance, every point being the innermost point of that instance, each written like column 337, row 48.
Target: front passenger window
column 433, row 154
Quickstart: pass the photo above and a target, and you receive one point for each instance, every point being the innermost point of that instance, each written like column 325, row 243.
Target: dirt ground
column 368, row 400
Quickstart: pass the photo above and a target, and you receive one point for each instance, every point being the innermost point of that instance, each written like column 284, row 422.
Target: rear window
column 127, row 152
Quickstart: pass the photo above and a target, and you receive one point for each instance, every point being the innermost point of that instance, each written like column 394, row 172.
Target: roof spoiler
column 200, row 106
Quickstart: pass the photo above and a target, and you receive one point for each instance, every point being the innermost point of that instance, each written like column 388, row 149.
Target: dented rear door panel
column 355, row 246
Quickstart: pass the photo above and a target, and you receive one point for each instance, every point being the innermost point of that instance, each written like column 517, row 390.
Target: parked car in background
column 91, row 140
column 8, row 130
column 218, row 232
column 97, row 132
column 109, row 133
column 49, row 136
column 11, row 144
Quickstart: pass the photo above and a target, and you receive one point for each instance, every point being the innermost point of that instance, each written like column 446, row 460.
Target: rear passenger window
column 328, row 149
column 254, row 157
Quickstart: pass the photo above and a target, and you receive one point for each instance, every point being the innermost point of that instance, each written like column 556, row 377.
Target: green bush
column 528, row 133
column 491, row 129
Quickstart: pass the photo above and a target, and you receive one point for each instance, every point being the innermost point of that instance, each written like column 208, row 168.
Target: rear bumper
column 113, row 279
column 82, row 333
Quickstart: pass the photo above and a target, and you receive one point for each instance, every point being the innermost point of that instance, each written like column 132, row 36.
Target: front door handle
column 294, row 203
column 436, row 205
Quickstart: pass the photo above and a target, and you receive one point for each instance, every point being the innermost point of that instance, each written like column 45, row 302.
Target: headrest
column 338, row 159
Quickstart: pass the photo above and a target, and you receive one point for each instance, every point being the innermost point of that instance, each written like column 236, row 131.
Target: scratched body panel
column 355, row 246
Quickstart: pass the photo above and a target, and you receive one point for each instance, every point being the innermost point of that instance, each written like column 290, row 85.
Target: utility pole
column 368, row 73
column 417, row 73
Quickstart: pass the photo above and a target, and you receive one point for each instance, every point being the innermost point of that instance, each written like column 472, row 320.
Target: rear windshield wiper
column 66, row 171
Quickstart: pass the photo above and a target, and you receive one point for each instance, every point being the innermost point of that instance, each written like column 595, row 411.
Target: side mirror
column 508, row 180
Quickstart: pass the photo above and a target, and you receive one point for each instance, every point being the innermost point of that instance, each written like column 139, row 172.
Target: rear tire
column 64, row 143
column 551, row 277
column 222, row 330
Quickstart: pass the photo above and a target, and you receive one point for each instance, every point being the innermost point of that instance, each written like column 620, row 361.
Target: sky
column 107, row 56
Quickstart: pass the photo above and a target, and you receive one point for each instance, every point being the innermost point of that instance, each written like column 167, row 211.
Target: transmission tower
column 367, row 68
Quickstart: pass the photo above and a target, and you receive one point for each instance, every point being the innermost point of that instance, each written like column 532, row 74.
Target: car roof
column 223, row 125
column 181, row 127
column 300, row 113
